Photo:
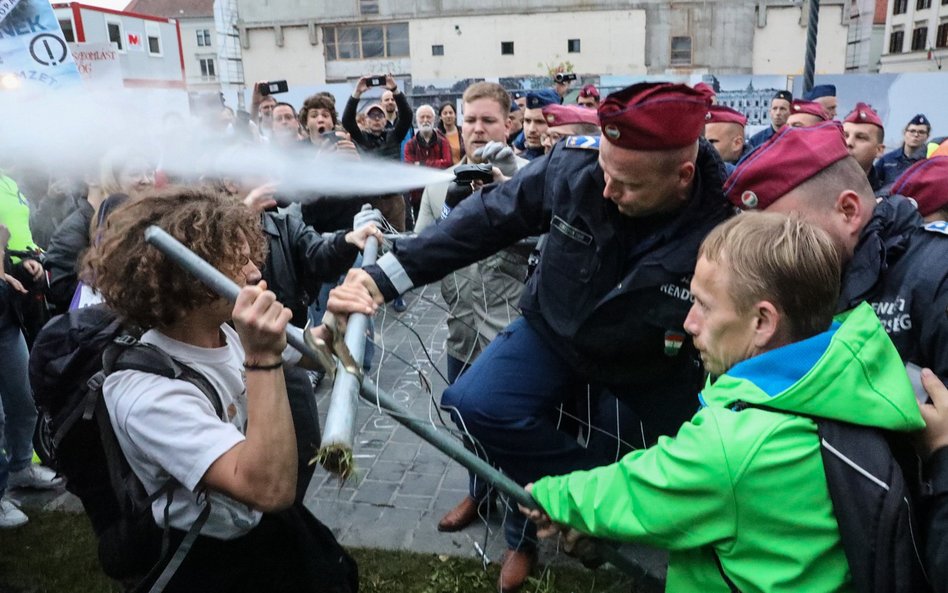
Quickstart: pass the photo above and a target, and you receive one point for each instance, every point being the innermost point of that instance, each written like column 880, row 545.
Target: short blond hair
column 488, row 90
column 781, row 259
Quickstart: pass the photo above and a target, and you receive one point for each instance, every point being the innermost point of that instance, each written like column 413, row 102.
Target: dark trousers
column 509, row 399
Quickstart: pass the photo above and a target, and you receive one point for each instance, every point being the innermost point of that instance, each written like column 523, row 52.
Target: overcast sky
column 115, row 4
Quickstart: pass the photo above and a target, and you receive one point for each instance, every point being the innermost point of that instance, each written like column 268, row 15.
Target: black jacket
column 68, row 242
column 611, row 293
column 936, row 551
column 299, row 260
column 388, row 144
column 900, row 267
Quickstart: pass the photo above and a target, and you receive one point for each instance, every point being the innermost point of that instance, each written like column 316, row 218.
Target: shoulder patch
column 939, row 226
column 584, row 142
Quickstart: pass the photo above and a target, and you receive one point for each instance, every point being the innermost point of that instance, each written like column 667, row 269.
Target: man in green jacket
column 747, row 487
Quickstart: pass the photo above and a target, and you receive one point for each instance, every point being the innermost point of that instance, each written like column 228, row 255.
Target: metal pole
column 335, row 450
column 812, row 26
column 451, row 447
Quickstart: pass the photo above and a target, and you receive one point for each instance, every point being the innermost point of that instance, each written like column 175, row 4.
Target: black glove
column 456, row 193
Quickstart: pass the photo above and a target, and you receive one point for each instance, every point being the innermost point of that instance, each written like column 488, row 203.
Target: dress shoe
column 460, row 516
column 516, row 566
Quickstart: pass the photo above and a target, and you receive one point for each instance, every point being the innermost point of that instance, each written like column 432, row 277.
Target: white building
column 149, row 47
column 315, row 42
column 916, row 36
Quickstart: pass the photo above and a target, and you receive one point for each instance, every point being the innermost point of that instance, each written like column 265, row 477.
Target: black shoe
column 399, row 305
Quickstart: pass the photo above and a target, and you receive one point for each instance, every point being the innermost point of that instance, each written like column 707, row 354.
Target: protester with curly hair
column 244, row 465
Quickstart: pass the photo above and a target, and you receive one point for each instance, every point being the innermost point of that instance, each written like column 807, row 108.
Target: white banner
column 33, row 51
column 98, row 63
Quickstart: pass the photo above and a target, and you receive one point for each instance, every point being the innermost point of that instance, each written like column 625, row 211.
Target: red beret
column 706, row 89
column 862, row 113
column 720, row 114
column 790, row 157
column 561, row 115
column 653, row 116
column 811, row 107
column 926, row 182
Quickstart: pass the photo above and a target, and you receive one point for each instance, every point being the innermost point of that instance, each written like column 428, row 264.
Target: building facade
column 916, row 36
column 316, row 42
column 148, row 47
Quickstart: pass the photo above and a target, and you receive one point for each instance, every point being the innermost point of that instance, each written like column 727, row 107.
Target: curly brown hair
column 140, row 283
column 319, row 101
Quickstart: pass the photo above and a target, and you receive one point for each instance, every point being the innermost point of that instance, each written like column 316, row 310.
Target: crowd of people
column 602, row 255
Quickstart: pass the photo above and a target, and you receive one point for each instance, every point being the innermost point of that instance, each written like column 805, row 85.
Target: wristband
column 263, row 367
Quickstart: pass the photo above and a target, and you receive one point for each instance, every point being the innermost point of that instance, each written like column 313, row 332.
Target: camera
column 563, row 77
column 273, row 88
column 375, row 81
column 330, row 137
column 465, row 174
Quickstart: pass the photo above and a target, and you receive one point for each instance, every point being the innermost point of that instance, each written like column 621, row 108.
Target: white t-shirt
column 167, row 427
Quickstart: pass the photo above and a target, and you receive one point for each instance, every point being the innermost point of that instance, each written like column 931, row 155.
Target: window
column 681, row 51
column 572, row 46
column 204, row 37
column 437, row 50
column 941, row 39
column 66, row 26
column 115, row 34
column 899, row 6
column 207, row 69
column 506, row 48
column 153, row 36
column 368, row 6
column 919, row 38
column 370, row 41
column 923, row 4
column 896, row 41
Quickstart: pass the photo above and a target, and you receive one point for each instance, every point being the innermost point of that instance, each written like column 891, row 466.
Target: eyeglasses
column 917, row 132
column 375, row 115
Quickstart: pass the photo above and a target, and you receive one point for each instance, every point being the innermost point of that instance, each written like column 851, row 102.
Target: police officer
column 607, row 303
column 534, row 124
column 892, row 258
column 913, row 149
column 926, row 182
column 779, row 112
column 825, row 95
column 865, row 139
column 724, row 130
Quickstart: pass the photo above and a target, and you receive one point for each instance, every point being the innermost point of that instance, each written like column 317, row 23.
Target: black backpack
column 70, row 360
column 873, row 504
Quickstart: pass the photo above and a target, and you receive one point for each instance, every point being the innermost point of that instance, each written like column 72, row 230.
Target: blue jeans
column 508, row 400
column 17, row 410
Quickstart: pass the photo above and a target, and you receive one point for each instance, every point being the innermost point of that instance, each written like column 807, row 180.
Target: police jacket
column 937, row 520
column 388, row 144
column 62, row 258
column 761, row 137
column 894, row 163
column 611, row 293
column 299, row 260
column 900, row 266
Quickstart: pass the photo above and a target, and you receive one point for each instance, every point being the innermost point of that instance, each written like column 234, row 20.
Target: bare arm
column 261, row 470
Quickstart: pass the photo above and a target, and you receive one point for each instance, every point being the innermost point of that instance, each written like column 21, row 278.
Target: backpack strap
column 127, row 353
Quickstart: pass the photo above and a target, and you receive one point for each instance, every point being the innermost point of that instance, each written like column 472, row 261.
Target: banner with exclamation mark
column 33, row 51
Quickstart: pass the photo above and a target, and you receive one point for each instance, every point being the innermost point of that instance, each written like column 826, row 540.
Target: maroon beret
column 720, row 114
column 589, row 90
column 654, row 116
column 926, row 182
column 862, row 113
column 790, row 157
column 561, row 115
column 811, row 107
column 706, row 89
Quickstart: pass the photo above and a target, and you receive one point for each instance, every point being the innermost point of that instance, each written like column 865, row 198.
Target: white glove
column 499, row 155
column 367, row 216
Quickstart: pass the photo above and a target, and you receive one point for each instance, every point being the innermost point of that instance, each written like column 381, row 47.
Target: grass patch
column 56, row 552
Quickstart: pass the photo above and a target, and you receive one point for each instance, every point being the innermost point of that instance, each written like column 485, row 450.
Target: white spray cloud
column 68, row 132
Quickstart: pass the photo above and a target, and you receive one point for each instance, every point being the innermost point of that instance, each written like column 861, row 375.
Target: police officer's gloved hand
column 499, row 155
column 364, row 217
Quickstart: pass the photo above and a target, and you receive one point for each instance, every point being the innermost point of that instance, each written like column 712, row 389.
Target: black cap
column 785, row 95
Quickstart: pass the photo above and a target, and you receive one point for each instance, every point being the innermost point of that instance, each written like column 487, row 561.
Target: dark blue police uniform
column 892, row 164
column 761, row 137
column 900, row 267
column 606, row 306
